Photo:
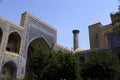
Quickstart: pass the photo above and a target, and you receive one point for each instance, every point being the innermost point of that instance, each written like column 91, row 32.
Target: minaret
column 75, row 39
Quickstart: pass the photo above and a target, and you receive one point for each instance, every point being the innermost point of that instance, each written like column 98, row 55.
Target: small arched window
column 96, row 36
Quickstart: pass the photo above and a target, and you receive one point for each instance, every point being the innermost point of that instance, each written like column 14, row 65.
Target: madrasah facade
column 18, row 42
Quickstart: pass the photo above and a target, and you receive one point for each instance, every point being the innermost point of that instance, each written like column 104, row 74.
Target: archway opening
column 39, row 42
column 1, row 34
column 9, row 70
column 14, row 41
column 82, row 59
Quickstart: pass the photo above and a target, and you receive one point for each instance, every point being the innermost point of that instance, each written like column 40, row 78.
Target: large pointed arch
column 34, row 44
column 14, row 41
column 9, row 70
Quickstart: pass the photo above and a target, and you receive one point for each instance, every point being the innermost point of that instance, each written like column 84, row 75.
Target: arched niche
column 1, row 35
column 105, row 35
column 14, row 41
column 39, row 42
column 9, row 70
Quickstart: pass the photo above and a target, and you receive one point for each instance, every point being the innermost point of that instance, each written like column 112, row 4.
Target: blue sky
column 64, row 15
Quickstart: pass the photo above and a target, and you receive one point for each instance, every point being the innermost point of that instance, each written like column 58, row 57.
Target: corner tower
column 94, row 35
